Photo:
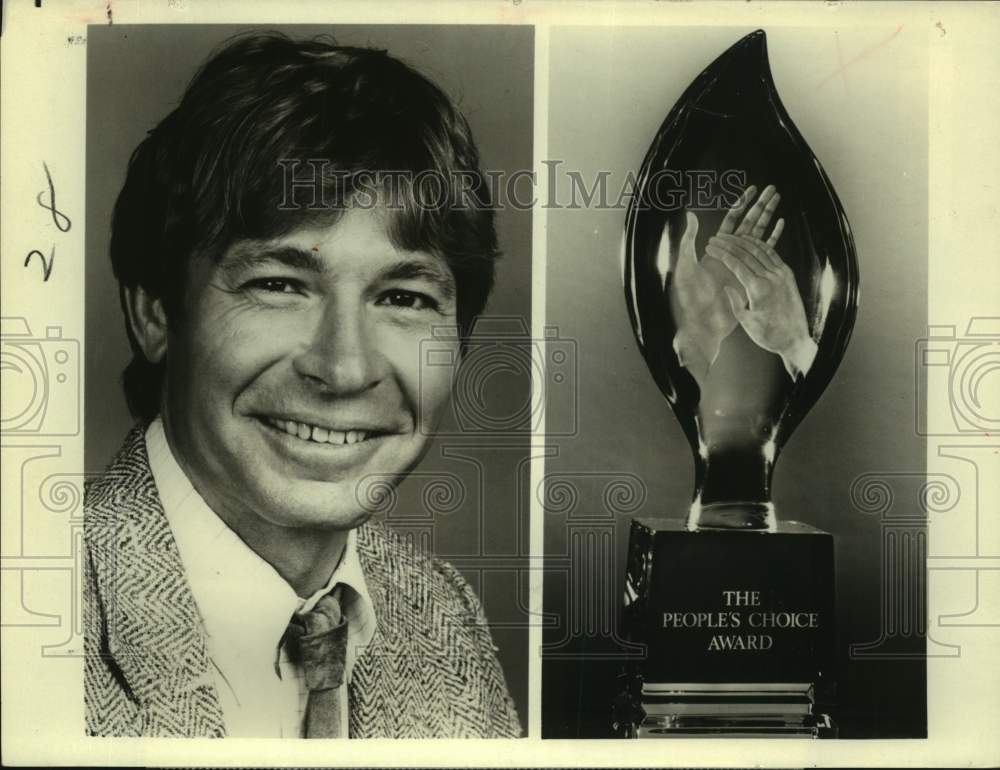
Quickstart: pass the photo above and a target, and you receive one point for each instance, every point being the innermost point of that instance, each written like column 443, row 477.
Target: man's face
column 294, row 372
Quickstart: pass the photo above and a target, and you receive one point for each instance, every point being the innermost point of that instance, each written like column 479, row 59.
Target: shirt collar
column 245, row 605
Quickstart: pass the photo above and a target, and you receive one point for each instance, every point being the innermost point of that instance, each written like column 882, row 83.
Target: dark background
column 867, row 123
column 136, row 74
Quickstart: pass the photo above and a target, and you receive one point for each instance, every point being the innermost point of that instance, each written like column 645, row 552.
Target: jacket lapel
column 154, row 632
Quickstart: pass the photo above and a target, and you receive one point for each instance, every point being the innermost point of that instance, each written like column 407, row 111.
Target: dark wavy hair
column 214, row 171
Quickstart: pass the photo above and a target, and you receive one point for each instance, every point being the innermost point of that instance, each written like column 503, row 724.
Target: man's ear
column 148, row 322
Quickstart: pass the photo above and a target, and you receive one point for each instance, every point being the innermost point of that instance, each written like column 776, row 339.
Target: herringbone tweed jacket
column 430, row 671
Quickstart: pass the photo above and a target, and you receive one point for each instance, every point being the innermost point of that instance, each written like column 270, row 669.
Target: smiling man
column 235, row 585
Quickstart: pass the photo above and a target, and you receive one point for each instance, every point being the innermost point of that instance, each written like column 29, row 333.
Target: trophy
column 741, row 282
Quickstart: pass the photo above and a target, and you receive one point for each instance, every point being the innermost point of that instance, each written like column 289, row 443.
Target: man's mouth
column 318, row 435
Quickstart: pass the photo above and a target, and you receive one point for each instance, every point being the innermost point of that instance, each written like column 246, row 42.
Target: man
column 279, row 268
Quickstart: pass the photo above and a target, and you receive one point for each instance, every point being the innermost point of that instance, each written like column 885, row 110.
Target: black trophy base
column 738, row 628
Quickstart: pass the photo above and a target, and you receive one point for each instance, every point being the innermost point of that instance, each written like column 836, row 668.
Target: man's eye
column 408, row 299
column 273, row 285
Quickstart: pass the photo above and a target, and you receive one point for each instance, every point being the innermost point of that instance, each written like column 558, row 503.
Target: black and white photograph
column 722, row 554
column 513, row 383
column 300, row 231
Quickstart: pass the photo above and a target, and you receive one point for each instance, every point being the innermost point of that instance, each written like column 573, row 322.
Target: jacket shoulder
column 127, row 474
column 435, row 652
column 396, row 564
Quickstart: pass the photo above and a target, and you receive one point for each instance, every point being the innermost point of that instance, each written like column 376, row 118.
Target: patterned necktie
column 317, row 641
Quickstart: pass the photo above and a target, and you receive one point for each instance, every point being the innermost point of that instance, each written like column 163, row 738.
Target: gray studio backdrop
column 867, row 123
column 478, row 518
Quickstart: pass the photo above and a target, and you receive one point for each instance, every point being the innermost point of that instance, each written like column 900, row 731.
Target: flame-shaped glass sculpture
column 741, row 280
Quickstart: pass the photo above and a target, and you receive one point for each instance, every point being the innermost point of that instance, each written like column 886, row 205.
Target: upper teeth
column 320, row 435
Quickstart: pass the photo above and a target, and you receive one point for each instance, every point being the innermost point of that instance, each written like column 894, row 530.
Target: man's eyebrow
column 247, row 255
column 415, row 269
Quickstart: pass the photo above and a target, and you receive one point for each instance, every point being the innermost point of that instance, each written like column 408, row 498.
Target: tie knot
column 317, row 641
column 325, row 615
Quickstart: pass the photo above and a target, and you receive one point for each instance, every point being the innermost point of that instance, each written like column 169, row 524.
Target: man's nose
column 340, row 357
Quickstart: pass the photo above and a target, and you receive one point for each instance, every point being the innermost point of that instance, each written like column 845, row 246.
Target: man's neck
column 305, row 557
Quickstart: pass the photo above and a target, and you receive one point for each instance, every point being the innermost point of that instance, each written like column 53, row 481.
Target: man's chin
column 320, row 505
column 325, row 520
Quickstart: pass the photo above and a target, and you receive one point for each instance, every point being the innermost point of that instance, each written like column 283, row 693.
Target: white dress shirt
column 245, row 606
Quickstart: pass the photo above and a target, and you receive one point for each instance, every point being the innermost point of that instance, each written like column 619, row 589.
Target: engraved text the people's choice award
column 741, row 282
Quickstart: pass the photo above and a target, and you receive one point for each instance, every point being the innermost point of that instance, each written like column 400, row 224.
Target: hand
column 703, row 313
column 771, row 313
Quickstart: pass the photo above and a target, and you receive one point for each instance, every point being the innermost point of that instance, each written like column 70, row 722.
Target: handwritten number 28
column 61, row 221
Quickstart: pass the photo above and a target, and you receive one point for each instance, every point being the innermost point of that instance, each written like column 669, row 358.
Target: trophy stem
column 733, row 489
